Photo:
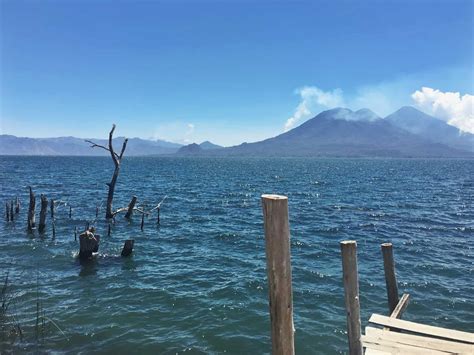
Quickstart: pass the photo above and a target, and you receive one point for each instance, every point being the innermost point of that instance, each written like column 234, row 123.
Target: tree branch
column 124, row 145
column 158, row 205
column 115, row 158
column 94, row 145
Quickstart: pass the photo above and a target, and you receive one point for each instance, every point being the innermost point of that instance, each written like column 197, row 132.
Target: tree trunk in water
column 31, row 211
column 52, row 209
column 43, row 212
column 131, row 206
column 128, row 247
column 110, row 197
column 117, row 159
column 89, row 243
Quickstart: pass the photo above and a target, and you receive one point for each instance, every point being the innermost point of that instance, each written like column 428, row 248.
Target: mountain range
column 338, row 132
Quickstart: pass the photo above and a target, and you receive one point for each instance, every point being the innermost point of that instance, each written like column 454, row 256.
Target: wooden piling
column 109, row 230
column 7, row 212
column 131, row 206
column 158, row 217
column 17, row 205
column 70, row 211
column 75, row 233
column 277, row 246
column 143, row 222
column 351, row 295
column 54, row 229
column 31, row 211
column 43, row 212
column 11, row 211
column 390, row 276
column 128, row 247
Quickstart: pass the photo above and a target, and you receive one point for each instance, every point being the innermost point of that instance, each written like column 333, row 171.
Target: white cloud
column 451, row 107
column 188, row 135
column 313, row 100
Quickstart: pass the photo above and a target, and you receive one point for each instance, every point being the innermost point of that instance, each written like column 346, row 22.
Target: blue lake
column 197, row 283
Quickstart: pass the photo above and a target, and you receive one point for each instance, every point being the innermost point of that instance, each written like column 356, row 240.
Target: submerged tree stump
column 52, row 209
column 88, row 244
column 128, row 247
column 43, row 212
column 17, row 205
column 131, row 206
column 31, row 211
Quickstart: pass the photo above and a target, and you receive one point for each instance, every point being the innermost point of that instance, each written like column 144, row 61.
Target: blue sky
column 227, row 71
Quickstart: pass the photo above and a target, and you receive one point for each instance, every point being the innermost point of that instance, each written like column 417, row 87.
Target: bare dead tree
column 117, row 159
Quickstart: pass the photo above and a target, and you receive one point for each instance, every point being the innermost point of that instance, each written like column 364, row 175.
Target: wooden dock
column 403, row 337
column 387, row 335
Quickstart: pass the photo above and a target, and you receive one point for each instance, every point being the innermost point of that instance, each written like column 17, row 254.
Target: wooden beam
column 381, row 344
column 390, row 277
column 419, row 341
column 277, row 246
column 443, row 333
column 401, row 306
column 351, row 295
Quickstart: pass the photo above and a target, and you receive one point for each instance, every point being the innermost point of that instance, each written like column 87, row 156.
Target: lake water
column 197, row 283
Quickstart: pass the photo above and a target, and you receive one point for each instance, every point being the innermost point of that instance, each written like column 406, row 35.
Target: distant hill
column 12, row 145
column 338, row 132
column 431, row 128
column 195, row 149
column 208, row 145
column 343, row 133
column 190, row 149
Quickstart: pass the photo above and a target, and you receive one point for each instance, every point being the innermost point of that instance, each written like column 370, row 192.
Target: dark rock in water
column 128, row 247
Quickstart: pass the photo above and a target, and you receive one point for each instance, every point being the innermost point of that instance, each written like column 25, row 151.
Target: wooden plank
column 351, row 295
column 396, row 348
column 277, row 247
column 401, row 306
column 421, row 341
column 376, row 352
column 422, row 328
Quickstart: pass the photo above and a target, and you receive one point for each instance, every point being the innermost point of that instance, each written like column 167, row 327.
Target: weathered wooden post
column 54, row 229
column 128, row 247
column 17, row 205
column 75, row 233
column 52, row 209
column 390, row 276
column 131, row 206
column 70, row 212
column 11, row 211
column 31, row 211
column 7, row 212
column 43, row 211
column 351, row 295
column 143, row 222
column 109, row 230
column 277, row 246
column 158, row 217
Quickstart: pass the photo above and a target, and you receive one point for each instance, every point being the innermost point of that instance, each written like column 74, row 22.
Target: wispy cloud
column 313, row 99
column 188, row 135
column 451, row 107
